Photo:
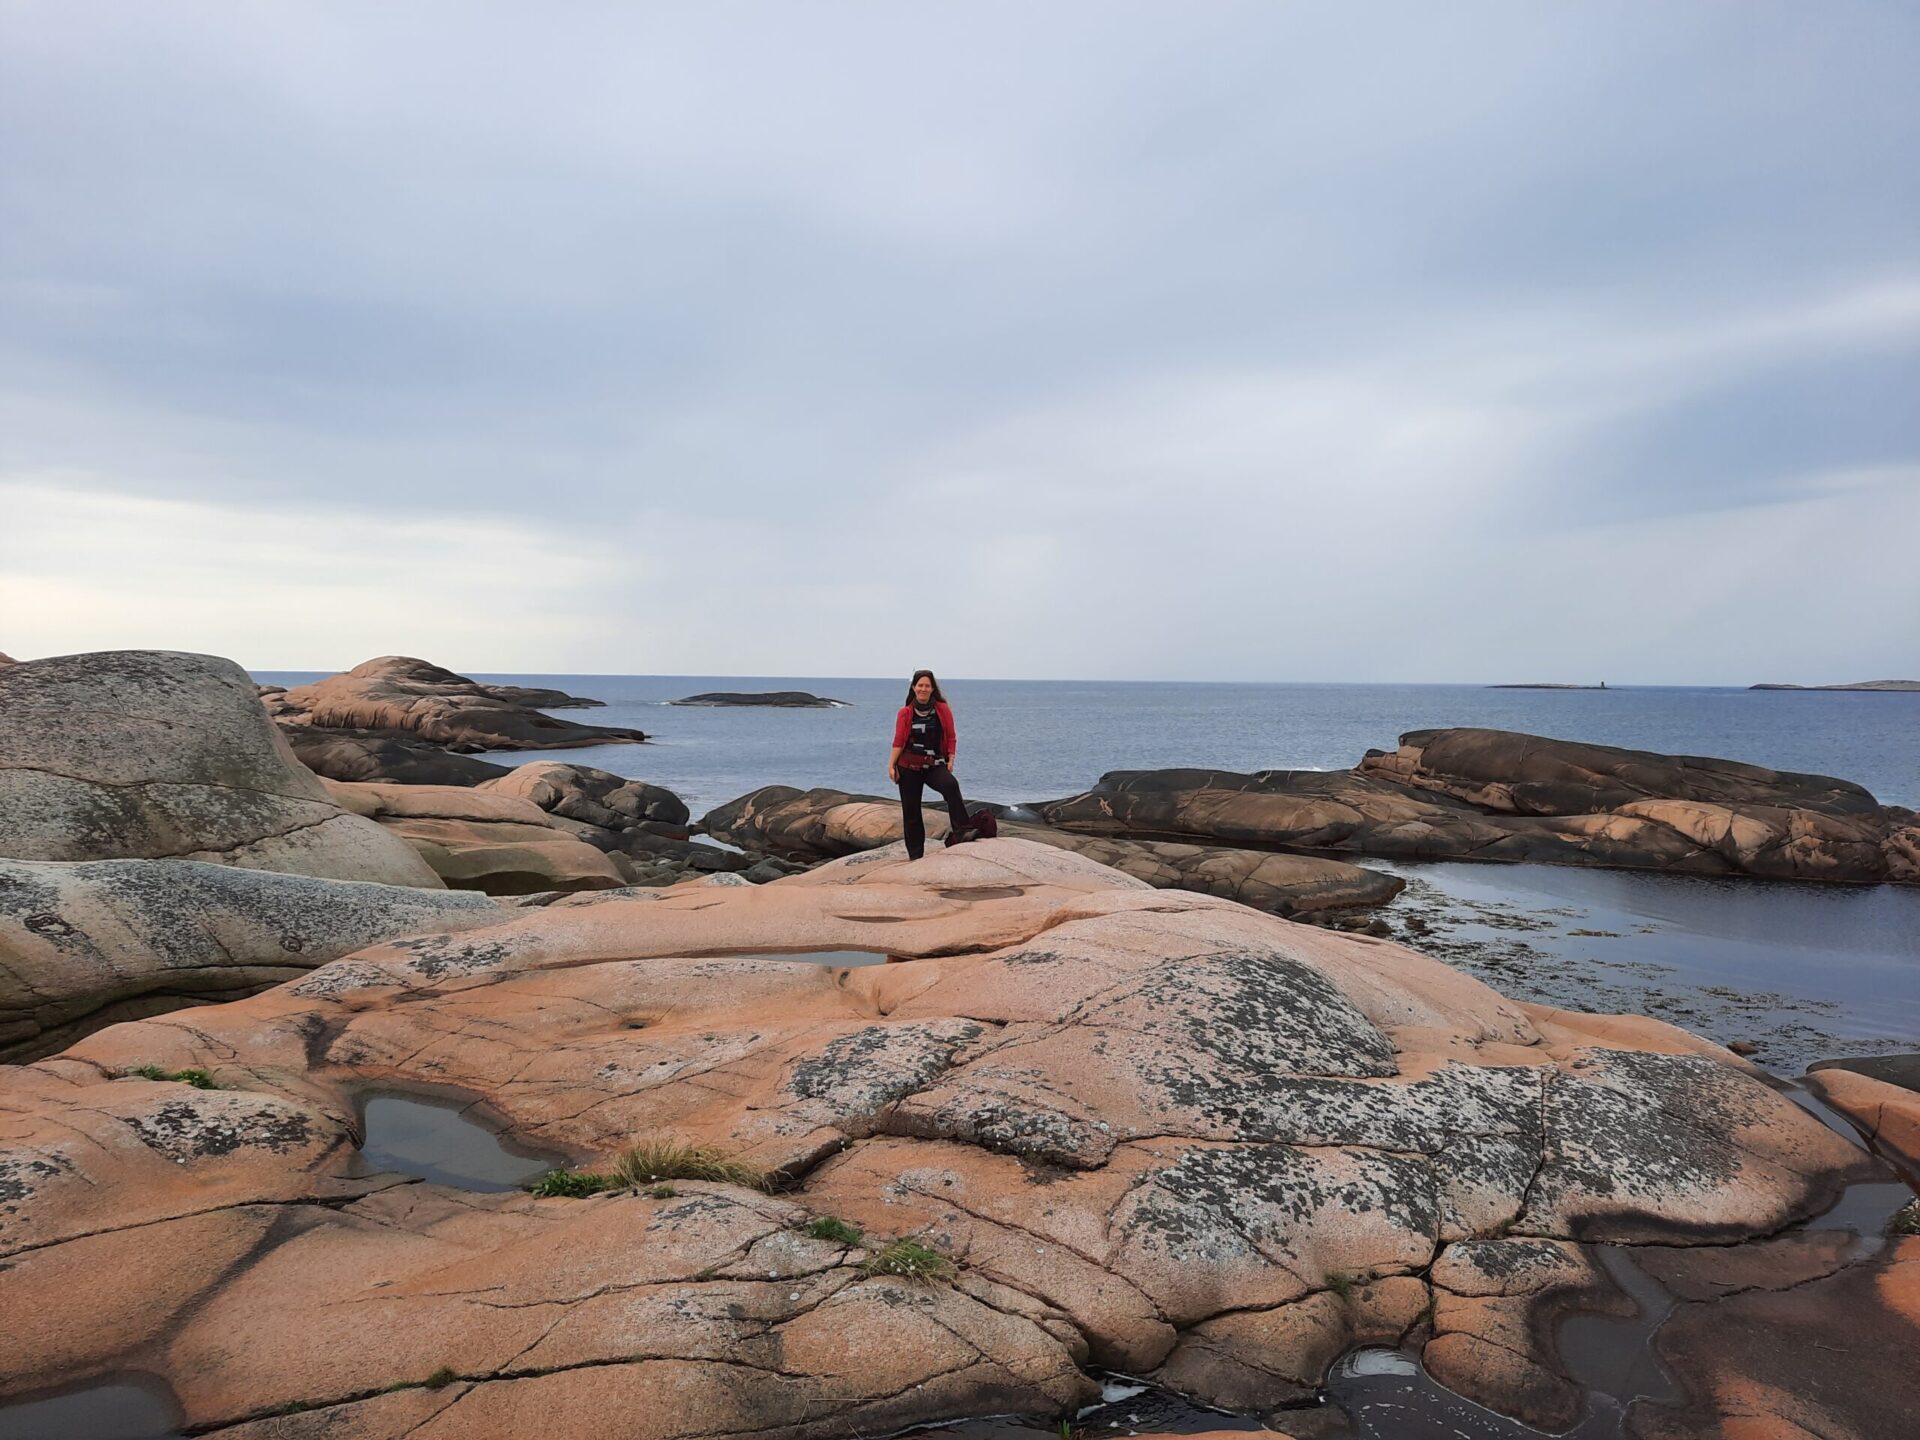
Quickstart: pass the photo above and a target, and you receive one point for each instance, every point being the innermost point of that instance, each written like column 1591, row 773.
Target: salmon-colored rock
column 1156, row 1130
column 822, row 823
column 1475, row 794
column 400, row 694
column 1888, row 1115
column 484, row 840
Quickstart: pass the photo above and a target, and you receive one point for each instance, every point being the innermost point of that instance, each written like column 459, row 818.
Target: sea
column 1804, row 971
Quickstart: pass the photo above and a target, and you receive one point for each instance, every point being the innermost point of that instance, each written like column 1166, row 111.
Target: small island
column 1548, row 685
column 784, row 699
column 1900, row 686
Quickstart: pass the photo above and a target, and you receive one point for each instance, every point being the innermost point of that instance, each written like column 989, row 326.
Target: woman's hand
column 893, row 773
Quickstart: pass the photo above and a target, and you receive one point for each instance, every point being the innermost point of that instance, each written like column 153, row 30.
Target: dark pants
column 911, row 783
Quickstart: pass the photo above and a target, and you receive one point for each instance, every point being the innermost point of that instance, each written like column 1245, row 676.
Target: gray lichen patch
column 1229, row 1204
column 853, row 1077
column 199, row 1129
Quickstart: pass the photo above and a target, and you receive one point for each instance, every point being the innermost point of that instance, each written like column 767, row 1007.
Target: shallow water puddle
column 432, row 1139
column 1126, row 1407
column 833, row 958
column 131, row 1407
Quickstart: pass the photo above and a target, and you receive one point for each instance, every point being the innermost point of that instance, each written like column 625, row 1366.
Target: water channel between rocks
column 123, row 1407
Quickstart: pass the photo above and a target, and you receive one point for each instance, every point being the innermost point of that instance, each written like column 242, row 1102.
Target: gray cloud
column 1187, row 324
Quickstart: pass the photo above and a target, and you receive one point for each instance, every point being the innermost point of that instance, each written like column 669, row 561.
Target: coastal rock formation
column 380, row 756
column 1156, row 1131
column 821, row 823
column 84, row 945
column 398, row 693
column 151, row 754
column 780, row 699
column 475, row 840
column 579, row 792
column 1497, row 795
column 6, row 659
column 1881, row 1095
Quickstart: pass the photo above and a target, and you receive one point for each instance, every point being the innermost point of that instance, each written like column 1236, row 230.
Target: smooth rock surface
column 148, row 754
column 383, row 757
column 595, row 797
column 84, row 944
column 822, row 823
column 402, row 694
column 1160, row 1132
column 1498, row 795
column 484, row 840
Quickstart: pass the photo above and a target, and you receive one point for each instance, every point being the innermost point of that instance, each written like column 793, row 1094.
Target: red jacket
column 905, row 718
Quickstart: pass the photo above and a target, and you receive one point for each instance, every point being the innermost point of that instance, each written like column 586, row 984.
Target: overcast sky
column 1173, row 341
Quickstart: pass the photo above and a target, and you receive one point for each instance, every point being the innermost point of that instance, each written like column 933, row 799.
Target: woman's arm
column 893, row 765
column 951, row 740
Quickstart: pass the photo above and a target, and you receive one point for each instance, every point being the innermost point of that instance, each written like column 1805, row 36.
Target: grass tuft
column 657, row 1160
column 662, row 1192
column 909, row 1260
column 838, row 1231
column 572, row 1184
column 440, row 1379
column 197, row 1078
column 1341, row 1282
column 1906, row 1221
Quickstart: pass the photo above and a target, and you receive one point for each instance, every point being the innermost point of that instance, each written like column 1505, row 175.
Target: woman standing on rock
column 923, row 744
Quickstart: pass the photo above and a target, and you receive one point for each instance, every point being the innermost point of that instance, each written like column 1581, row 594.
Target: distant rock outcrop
column 148, row 754
column 1902, row 686
column 1497, row 795
column 825, row 824
column 783, row 699
column 398, row 694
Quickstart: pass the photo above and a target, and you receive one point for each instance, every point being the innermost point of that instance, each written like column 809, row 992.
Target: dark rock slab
column 782, row 699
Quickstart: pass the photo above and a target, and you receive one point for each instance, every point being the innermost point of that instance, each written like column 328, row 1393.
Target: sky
column 1271, row 342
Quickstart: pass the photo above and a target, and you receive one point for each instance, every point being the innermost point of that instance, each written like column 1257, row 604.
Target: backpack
column 985, row 827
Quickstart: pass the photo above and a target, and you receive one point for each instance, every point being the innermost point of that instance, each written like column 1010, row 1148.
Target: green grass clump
column 658, row 1160
column 197, row 1078
column 838, row 1231
column 440, row 1379
column 910, row 1260
column 1906, row 1221
column 662, row 1192
column 1341, row 1283
column 572, row 1184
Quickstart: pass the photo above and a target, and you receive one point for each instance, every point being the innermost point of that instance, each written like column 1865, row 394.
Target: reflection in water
column 130, row 1407
column 431, row 1138
column 836, row 958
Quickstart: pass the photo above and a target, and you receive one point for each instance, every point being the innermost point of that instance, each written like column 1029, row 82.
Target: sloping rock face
column 83, row 945
column 1497, row 795
column 397, row 693
column 594, row 797
column 1881, row 1095
column 147, row 754
column 376, row 756
column 822, row 823
column 476, row 840
column 1159, row 1131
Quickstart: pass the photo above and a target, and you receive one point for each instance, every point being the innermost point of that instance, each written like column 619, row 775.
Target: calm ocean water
column 1036, row 740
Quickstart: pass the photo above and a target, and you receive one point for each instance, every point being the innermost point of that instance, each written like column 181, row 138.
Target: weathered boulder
column 1497, row 795
column 147, row 754
column 84, row 945
column 1881, row 1095
column 596, row 797
column 1159, row 1131
column 400, row 693
column 476, row 840
column 821, row 823
column 376, row 755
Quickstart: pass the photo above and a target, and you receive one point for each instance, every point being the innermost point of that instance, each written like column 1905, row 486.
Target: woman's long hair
column 938, row 698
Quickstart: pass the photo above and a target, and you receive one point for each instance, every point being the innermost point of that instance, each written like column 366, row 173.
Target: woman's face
column 923, row 689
